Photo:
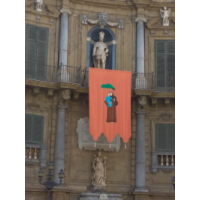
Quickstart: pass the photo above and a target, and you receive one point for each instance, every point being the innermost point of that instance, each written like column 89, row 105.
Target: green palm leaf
column 107, row 86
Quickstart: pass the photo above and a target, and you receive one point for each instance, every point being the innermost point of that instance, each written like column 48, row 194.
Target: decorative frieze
column 102, row 21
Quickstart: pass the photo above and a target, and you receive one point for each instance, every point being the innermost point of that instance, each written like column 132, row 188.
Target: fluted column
column 63, row 45
column 59, row 158
column 140, row 152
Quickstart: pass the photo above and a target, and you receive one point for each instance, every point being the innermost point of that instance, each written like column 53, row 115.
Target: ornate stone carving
column 102, row 21
column 86, row 141
column 66, row 94
column 38, row 5
column 165, row 14
column 99, row 172
column 142, row 102
column 100, row 51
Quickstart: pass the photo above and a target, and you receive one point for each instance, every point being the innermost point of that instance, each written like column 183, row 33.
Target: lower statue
column 99, row 172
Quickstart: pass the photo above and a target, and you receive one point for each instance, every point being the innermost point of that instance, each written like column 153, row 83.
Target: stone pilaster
column 60, row 142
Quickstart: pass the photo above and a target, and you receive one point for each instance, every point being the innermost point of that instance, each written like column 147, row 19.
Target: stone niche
column 86, row 141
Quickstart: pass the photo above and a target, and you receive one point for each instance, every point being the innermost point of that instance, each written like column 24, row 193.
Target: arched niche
column 109, row 39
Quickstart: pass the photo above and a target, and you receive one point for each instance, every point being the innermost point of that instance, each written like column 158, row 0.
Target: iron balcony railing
column 69, row 74
column 66, row 74
column 149, row 81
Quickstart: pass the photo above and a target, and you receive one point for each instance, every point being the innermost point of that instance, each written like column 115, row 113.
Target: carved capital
column 62, row 108
column 140, row 18
column 66, row 10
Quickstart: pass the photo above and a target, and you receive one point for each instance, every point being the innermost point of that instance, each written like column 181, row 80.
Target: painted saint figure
column 111, row 102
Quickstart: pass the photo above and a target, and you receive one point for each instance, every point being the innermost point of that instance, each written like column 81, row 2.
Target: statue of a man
column 99, row 174
column 100, row 51
column 165, row 14
column 38, row 5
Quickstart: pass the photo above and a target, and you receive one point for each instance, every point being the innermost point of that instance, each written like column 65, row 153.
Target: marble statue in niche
column 100, row 52
column 99, row 172
column 165, row 14
column 38, row 5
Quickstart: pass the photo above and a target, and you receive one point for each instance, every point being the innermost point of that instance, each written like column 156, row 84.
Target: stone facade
column 44, row 97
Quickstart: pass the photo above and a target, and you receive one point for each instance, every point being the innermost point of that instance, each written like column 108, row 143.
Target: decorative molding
column 48, row 10
column 102, row 21
column 150, row 23
column 86, row 141
column 165, row 117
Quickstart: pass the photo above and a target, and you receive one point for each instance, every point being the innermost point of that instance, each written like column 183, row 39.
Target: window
column 165, row 64
column 34, row 128
column 165, row 137
column 36, row 52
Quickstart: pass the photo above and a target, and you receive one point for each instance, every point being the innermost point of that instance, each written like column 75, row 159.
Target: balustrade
column 162, row 160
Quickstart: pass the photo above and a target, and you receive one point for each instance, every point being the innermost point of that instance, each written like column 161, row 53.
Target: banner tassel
column 95, row 144
column 110, row 145
column 125, row 145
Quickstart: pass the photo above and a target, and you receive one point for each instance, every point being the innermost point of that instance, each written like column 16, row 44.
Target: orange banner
column 110, row 103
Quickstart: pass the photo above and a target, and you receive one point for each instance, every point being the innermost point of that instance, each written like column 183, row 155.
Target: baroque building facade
column 60, row 35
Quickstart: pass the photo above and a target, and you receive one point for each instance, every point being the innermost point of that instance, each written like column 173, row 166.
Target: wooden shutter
column 165, row 64
column 170, row 64
column 171, row 137
column 165, row 137
column 34, row 128
column 42, row 53
column 160, row 63
column 28, row 126
column 31, row 51
column 36, row 52
column 161, row 137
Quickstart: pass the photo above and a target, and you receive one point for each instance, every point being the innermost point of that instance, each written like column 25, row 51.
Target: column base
column 140, row 189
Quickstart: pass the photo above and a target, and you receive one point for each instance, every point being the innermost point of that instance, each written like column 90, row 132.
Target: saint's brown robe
column 111, row 111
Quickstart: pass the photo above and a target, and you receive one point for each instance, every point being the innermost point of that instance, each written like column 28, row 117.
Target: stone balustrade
column 36, row 153
column 162, row 160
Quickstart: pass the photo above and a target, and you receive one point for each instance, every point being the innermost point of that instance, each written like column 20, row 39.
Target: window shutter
column 160, row 63
column 34, row 128
column 171, row 137
column 31, row 47
column 37, row 134
column 28, row 126
column 161, row 137
column 171, row 64
column 42, row 53
column 36, row 52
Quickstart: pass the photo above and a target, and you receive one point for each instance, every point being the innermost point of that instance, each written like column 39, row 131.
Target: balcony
column 162, row 160
column 149, row 81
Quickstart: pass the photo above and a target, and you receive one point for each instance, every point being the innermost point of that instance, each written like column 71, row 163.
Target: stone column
column 63, row 45
column 140, row 80
column 59, row 143
column 140, row 152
